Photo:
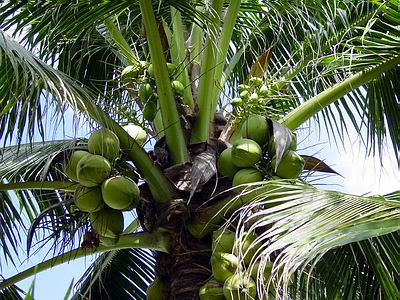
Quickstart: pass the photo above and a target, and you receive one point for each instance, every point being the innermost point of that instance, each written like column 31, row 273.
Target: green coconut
column 247, row 175
column 107, row 222
column 212, row 290
column 263, row 91
column 290, row 166
column 120, row 192
column 247, row 247
column 150, row 110
column 70, row 168
column 253, row 97
column 145, row 91
column 236, row 102
column 223, row 240
column 255, row 81
column 158, row 290
column 136, row 132
column 244, row 95
column 92, row 170
column 132, row 72
column 88, row 199
column 170, row 67
column 104, row 142
column 243, row 87
column 240, row 287
column 225, row 165
column 223, row 265
column 245, row 153
column 177, row 87
column 255, row 127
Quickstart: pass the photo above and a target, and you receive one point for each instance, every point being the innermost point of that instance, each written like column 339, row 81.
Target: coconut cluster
column 227, row 281
column 241, row 161
column 143, row 75
column 100, row 193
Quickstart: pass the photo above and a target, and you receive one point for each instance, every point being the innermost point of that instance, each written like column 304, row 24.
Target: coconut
column 223, row 240
column 150, row 110
column 245, row 153
column 88, row 199
column 247, row 175
column 253, row 97
column 290, row 166
column 70, row 168
column 223, row 265
column 244, row 95
column 107, row 222
column 225, row 165
column 136, row 132
column 177, row 87
column 212, row 290
column 247, row 247
column 145, row 91
column 263, row 91
column 120, row 192
column 239, row 287
column 92, row 170
column 104, row 142
column 255, row 127
column 255, row 81
column 243, row 87
column 170, row 67
column 157, row 290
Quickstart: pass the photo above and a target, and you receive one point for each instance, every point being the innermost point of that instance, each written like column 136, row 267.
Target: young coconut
column 120, row 192
column 88, row 199
column 145, row 91
column 247, row 175
column 92, row 170
column 157, row 290
column 223, row 240
column 136, row 132
column 290, row 166
column 255, row 127
column 71, row 166
column 247, row 246
column 107, row 222
column 104, row 142
column 240, row 287
column 223, row 265
column 212, row 290
column 177, row 87
column 245, row 153
column 225, row 165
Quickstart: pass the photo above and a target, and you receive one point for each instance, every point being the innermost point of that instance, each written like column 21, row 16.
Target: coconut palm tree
column 191, row 73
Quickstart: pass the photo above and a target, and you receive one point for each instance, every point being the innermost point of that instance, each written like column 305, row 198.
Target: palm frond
column 122, row 274
column 30, row 88
column 298, row 224
column 28, row 163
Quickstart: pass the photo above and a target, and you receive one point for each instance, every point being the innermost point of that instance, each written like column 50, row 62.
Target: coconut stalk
column 173, row 130
column 159, row 241
column 201, row 126
column 226, row 35
column 178, row 55
column 311, row 107
column 40, row 185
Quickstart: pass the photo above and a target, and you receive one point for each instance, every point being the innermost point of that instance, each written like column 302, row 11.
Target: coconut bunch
column 251, row 95
column 104, row 195
column 241, row 161
column 229, row 281
column 143, row 75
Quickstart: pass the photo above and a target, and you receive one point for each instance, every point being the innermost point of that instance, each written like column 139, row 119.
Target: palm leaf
column 300, row 224
column 122, row 274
